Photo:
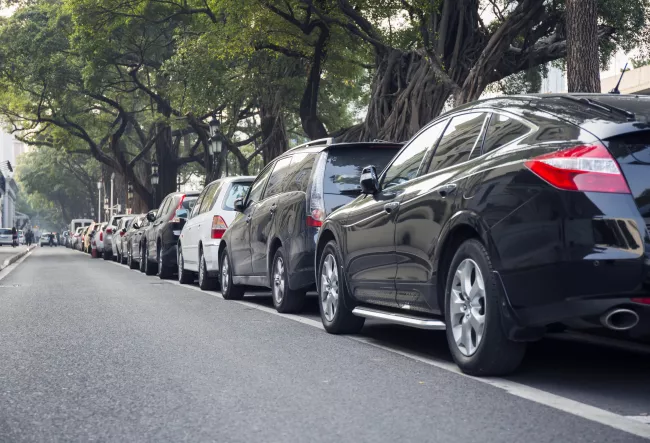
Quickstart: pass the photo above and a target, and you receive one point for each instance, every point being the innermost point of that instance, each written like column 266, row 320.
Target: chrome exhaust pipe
column 620, row 319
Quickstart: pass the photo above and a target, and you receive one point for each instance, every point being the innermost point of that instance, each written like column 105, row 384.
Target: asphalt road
column 90, row 351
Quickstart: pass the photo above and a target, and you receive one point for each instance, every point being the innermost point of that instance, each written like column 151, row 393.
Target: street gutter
column 15, row 258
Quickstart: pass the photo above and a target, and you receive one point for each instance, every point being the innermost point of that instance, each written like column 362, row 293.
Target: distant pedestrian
column 14, row 237
column 29, row 237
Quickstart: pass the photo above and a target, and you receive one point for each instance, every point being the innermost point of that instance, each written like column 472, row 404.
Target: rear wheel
column 107, row 255
column 164, row 271
column 205, row 281
column 184, row 277
column 473, row 316
column 141, row 259
column 129, row 261
column 335, row 312
column 148, row 267
column 285, row 299
column 229, row 290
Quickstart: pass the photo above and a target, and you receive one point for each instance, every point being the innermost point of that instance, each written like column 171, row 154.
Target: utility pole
column 112, row 183
column 99, row 202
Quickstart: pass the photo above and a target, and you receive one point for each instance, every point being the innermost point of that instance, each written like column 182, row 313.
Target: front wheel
column 335, row 312
column 184, row 276
column 148, row 267
column 473, row 316
column 129, row 260
column 229, row 290
column 164, row 272
column 285, row 299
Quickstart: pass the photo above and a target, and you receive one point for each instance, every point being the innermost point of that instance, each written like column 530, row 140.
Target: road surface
column 92, row 351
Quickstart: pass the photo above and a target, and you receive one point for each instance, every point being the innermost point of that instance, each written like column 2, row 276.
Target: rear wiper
column 356, row 191
column 598, row 104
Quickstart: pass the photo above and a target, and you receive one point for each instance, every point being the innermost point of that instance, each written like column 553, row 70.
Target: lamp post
column 112, row 183
column 154, row 181
column 129, row 196
column 99, row 202
column 214, row 149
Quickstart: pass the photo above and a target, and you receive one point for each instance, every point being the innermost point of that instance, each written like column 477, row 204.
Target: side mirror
column 136, row 226
column 181, row 213
column 239, row 204
column 368, row 181
column 151, row 216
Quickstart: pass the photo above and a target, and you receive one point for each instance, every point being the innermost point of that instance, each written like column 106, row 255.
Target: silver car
column 5, row 237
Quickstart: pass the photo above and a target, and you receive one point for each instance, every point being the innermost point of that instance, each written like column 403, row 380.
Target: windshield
column 5, row 231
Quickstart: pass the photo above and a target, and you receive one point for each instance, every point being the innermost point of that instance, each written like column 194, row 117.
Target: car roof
column 326, row 144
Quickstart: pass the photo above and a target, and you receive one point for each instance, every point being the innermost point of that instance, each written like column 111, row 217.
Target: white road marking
column 635, row 425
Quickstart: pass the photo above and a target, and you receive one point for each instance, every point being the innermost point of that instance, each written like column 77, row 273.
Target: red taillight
column 101, row 236
column 315, row 219
column 180, row 205
column 121, row 233
column 581, row 168
column 109, row 230
column 642, row 300
column 218, row 227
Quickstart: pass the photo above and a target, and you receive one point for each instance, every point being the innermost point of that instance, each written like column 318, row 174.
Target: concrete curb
column 15, row 258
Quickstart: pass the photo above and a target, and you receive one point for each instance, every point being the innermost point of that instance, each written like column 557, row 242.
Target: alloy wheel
column 278, row 281
column 181, row 265
column 329, row 288
column 225, row 276
column 467, row 306
column 201, row 269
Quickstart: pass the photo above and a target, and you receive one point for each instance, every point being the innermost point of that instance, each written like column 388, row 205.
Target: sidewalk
column 9, row 255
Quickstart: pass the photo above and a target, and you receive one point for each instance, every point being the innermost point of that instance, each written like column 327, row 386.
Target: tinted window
column 278, row 176
column 197, row 204
column 164, row 206
column 208, row 197
column 460, row 137
column 5, row 231
column 189, row 202
column 344, row 165
column 299, row 172
column 501, row 131
column 257, row 188
column 116, row 220
column 236, row 190
column 406, row 165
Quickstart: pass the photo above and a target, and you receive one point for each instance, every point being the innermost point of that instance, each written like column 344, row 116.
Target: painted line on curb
column 635, row 425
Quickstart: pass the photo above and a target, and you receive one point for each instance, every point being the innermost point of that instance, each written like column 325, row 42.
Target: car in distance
column 119, row 234
column 131, row 242
column 497, row 221
column 161, row 237
column 272, row 242
column 45, row 239
column 6, row 238
column 109, row 251
column 213, row 212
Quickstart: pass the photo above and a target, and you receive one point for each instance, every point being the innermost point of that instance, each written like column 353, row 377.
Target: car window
column 115, row 221
column 299, row 172
column 344, row 165
column 235, row 191
column 189, row 202
column 197, row 203
column 209, row 197
column 277, row 179
column 407, row 163
column 164, row 206
column 460, row 137
column 5, row 231
column 501, row 131
column 257, row 188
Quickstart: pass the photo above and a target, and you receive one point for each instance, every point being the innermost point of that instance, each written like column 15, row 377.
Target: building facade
column 10, row 151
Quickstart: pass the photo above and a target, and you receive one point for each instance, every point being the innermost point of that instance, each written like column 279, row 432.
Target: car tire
column 141, row 261
column 106, row 255
column 184, row 277
column 130, row 262
column 148, row 267
column 229, row 290
column 118, row 257
column 285, row 299
column 164, row 272
column 206, row 282
column 333, row 302
column 475, row 334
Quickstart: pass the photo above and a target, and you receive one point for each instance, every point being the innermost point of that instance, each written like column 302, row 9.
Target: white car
column 5, row 237
column 97, row 241
column 45, row 239
column 199, row 240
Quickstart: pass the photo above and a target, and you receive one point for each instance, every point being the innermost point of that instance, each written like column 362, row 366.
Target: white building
column 10, row 150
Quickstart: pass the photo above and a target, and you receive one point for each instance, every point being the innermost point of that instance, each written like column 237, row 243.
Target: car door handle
column 390, row 207
column 274, row 207
column 446, row 190
column 248, row 218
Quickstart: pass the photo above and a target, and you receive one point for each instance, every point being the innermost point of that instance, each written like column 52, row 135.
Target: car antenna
column 615, row 90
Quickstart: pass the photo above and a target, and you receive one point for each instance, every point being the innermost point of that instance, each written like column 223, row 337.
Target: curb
column 15, row 258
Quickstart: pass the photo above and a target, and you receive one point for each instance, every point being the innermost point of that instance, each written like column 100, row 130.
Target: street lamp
column 129, row 192
column 154, row 180
column 215, row 136
column 99, row 201
column 112, row 183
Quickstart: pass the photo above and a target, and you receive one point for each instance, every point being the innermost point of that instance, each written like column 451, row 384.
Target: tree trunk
column 273, row 132
column 583, row 73
column 166, row 155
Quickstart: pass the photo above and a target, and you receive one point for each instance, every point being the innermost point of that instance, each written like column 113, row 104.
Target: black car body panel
column 560, row 255
column 283, row 219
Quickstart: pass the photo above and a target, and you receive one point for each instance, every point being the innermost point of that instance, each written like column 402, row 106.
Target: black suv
column 272, row 242
column 497, row 221
column 161, row 237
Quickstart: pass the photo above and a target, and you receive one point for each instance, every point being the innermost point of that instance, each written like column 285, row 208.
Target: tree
column 582, row 61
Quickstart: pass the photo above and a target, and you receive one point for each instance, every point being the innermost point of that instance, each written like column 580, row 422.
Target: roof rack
column 320, row 141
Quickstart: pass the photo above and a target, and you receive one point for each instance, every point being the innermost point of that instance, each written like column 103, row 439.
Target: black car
column 272, row 242
column 497, row 222
column 132, row 240
column 161, row 237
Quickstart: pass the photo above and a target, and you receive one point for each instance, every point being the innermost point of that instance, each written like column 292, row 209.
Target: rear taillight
column 316, row 206
column 581, row 168
column 173, row 218
column 218, row 227
column 121, row 233
column 109, row 230
column 101, row 236
column 642, row 300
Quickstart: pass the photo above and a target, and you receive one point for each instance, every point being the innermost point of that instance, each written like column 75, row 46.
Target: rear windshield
column 188, row 202
column 5, row 231
column 344, row 166
column 115, row 220
column 237, row 190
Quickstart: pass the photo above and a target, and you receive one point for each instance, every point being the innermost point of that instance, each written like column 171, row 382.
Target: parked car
column 198, row 245
column 76, row 238
column 497, row 221
column 110, row 251
column 134, row 241
column 21, row 237
column 272, row 242
column 90, row 233
column 45, row 239
column 119, row 234
column 161, row 237
column 97, row 240
column 6, row 238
